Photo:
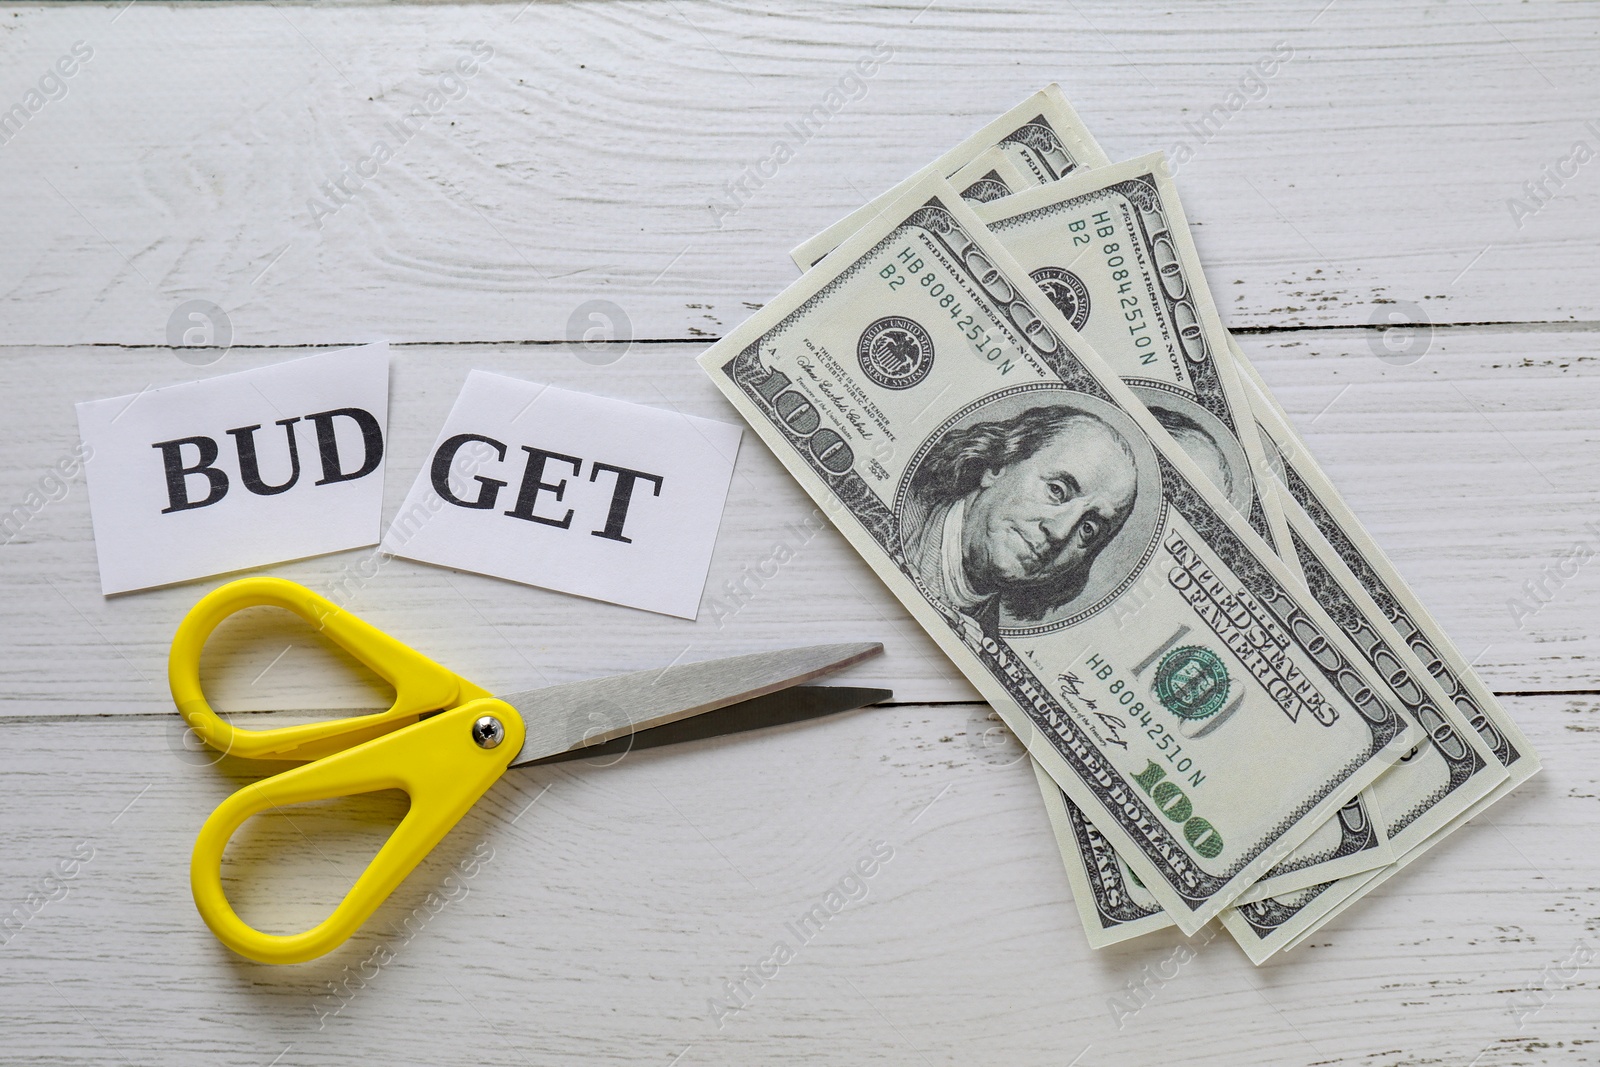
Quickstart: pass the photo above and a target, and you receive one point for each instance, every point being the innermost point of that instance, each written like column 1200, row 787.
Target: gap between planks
column 341, row 713
column 1487, row 326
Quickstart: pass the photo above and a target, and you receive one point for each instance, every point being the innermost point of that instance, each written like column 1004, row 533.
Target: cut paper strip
column 238, row 471
column 568, row 491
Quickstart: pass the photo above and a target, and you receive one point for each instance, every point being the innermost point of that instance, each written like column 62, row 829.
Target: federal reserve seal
column 1067, row 292
column 1191, row 682
column 895, row 352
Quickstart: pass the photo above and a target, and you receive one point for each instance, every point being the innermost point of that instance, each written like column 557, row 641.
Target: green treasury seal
column 1191, row 682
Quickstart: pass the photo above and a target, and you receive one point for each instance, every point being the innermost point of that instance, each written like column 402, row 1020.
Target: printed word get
column 534, row 483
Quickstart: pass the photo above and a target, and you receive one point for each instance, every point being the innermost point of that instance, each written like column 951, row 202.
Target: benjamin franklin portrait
column 1005, row 517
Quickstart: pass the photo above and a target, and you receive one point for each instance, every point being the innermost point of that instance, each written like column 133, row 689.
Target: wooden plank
column 78, row 652
column 578, row 165
column 581, row 160
column 601, row 922
column 1470, row 466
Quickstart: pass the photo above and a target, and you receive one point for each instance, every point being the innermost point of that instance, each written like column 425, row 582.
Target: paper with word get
column 572, row 492
column 240, row 470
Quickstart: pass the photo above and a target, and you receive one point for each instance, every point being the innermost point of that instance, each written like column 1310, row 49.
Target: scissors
column 445, row 740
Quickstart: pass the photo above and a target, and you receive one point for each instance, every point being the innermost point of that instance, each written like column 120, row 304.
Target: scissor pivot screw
column 488, row 731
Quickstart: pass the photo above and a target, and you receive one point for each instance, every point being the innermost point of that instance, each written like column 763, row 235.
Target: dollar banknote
column 1049, row 229
column 1044, row 227
column 1265, row 927
column 1278, row 923
column 1110, row 246
column 1352, row 891
column 1010, row 489
column 1425, row 794
column 1042, row 136
column 1298, row 924
column 1445, row 775
column 1112, row 902
column 1309, row 487
column 991, row 175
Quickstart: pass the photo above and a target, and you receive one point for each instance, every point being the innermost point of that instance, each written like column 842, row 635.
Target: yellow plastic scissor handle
column 420, row 684
column 439, row 762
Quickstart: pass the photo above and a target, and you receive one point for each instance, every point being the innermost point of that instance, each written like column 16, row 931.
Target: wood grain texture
column 1370, row 177
column 612, row 910
column 1471, row 466
column 580, row 160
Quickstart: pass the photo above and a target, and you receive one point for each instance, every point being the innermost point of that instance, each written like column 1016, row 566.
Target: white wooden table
column 1371, row 176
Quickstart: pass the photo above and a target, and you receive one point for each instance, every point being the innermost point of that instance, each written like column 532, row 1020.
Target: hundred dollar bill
column 1426, row 793
column 1301, row 924
column 1306, row 484
column 1111, row 248
column 1433, row 786
column 1265, row 927
column 1446, row 774
column 1283, row 923
column 1352, row 842
column 1309, row 925
column 990, row 176
column 1009, row 489
column 1042, row 136
column 1111, row 900
column 1057, row 224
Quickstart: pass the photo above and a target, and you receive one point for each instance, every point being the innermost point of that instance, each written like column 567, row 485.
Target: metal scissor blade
column 563, row 717
column 794, row 704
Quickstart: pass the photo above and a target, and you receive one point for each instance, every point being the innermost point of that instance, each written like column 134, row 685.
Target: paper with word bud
column 240, row 470
column 572, row 492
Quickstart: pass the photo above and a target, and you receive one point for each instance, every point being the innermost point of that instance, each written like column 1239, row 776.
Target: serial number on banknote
column 912, row 266
column 1130, row 306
